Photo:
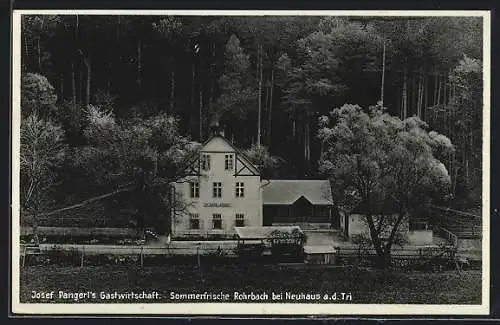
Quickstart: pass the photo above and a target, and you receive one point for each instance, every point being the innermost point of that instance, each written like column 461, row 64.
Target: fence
column 82, row 222
column 461, row 224
column 105, row 254
column 448, row 235
column 222, row 253
column 80, row 231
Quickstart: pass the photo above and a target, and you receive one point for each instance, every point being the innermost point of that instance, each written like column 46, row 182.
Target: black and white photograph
column 250, row 162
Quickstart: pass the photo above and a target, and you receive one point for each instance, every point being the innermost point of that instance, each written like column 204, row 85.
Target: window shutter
column 201, row 223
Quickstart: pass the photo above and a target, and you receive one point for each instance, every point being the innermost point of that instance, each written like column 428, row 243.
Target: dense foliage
column 377, row 160
column 266, row 79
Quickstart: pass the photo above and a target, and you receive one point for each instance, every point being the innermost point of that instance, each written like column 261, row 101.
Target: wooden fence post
column 83, row 255
column 142, row 256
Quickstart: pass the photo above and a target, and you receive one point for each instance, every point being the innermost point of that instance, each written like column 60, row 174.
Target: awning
column 267, row 232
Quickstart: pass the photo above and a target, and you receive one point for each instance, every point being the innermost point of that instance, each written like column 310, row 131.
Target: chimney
column 216, row 129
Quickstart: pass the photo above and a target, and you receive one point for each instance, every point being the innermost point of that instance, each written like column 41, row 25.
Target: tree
column 305, row 66
column 37, row 30
column 147, row 154
column 325, row 70
column 237, row 91
column 169, row 28
column 266, row 163
column 465, row 106
column 42, row 150
column 375, row 159
column 37, row 95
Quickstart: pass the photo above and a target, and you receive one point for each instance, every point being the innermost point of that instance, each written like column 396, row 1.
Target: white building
column 222, row 190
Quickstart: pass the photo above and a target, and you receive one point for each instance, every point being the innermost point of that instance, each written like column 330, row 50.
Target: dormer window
column 228, row 162
column 205, row 162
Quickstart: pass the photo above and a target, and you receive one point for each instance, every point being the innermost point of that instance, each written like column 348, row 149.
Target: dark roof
column 286, row 192
column 378, row 208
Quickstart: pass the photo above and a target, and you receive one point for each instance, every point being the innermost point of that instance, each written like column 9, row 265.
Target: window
column 194, row 189
column 240, row 189
column 205, row 162
column 217, row 189
column 322, row 211
column 228, row 162
column 217, row 221
column 194, row 222
column 240, row 220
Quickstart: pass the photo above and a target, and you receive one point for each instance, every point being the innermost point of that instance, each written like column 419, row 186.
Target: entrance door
column 302, row 210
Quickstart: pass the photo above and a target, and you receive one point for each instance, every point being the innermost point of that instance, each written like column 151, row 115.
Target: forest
column 267, row 80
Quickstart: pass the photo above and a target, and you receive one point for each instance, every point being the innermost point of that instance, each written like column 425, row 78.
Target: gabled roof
column 286, row 192
column 228, row 147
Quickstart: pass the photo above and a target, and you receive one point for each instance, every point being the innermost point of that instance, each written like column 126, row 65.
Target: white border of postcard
column 248, row 308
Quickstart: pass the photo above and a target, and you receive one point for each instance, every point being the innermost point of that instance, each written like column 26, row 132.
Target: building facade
column 299, row 202
column 413, row 229
column 222, row 190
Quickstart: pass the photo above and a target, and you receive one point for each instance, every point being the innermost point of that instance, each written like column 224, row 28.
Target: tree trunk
column 139, row 66
column 89, row 78
column 471, row 150
column 73, row 82
column 61, row 88
column 39, row 55
column 414, row 98
column 434, row 97
column 405, row 95
column 383, row 77
column 445, row 88
column 35, row 229
column 420, row 94
column 80, row 87
column 374, row 235
column 265, row 111
column 426, row 103
column 172, row 87
column 26, row 53
column 307, row 139
column 439, row 91
column 192, row 106
column 260, row 98
column 201, row 110
column 304, row 137
column 270, row 114
column 213, row 80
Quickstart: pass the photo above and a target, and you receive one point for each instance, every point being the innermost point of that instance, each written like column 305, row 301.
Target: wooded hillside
column 266, row 79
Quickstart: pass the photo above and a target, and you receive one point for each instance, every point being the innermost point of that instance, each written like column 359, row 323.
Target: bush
column 59, row 256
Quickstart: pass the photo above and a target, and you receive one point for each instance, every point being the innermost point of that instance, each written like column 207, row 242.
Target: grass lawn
column 366, row 286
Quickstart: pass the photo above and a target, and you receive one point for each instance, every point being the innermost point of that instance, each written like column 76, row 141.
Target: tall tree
column 238, row 96
column 170, row 28
column 374, row 159
column 42, row 150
